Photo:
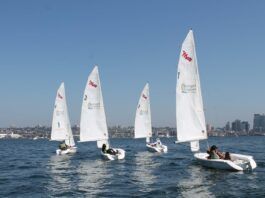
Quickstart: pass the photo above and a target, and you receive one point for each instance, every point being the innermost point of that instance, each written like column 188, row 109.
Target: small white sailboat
column 93, row 125
column 143, row 126
column 190, row 114
column 61, row 128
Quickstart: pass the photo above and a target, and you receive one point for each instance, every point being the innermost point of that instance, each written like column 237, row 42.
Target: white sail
column 93, row 125
column 61, row 128
column 143, row 126
column 189, row 105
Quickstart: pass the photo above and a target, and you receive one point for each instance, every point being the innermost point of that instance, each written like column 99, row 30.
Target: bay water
column 31, row 168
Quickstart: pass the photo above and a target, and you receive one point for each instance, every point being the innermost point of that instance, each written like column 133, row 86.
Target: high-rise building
column 227, row 126
column 259, row 123
column 236, row 125
column 245, row 126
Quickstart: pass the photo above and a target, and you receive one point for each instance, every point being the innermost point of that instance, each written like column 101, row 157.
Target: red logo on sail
column 186, row 56
column 59, row 96
column 91, row 83
column 144, row 96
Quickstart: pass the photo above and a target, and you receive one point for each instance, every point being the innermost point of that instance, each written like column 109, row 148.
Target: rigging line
column 207, row 145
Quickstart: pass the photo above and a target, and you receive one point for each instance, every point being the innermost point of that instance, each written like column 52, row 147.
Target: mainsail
column 61, row 128
column 93, row 125
column 189, row 106
column 142, row 126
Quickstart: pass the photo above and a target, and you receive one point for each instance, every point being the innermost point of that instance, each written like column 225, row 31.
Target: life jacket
column 213, row 155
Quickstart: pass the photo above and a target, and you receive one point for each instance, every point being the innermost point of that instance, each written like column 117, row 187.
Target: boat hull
column 67, row 151
column 120, row 154
column 238, row 163
column 157, row 148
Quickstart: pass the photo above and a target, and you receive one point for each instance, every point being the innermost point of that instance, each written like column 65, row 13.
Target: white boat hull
column 156, row 148
column 238, row 162
column 67, row 151
column 120, row 154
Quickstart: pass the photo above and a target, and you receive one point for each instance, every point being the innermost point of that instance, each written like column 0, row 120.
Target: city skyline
column 228, row 126
column 46, row 43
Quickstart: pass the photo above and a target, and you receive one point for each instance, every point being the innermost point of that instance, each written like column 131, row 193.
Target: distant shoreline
column 40, row 132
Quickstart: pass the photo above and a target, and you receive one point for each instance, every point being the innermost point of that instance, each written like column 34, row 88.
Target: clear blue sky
column 43, row 43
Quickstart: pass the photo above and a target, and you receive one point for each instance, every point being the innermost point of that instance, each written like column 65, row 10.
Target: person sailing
column 63, row 146
column 108, row 151
column 157, row 143
column 214, row 153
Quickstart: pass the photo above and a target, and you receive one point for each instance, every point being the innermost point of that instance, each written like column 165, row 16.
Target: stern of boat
column 70, row 150
column 159, row 149
column 245, row 161
column 120, row 154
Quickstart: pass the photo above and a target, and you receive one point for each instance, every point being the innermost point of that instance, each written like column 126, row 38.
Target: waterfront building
column 236, row 125
column 259, row 123
column 227, row 126
column 245, row 126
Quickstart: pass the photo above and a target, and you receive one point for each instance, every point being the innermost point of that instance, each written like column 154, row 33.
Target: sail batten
column 61, row 127
column 143, row 125
column 93, row 125
column 189, row 106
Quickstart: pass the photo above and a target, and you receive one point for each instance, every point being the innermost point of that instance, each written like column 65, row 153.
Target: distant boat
column 61, row 128
column 190, row 114
column 143, row 126
column 15, row 136
column 93, row 125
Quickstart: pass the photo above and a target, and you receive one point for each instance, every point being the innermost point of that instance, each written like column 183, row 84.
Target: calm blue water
column 31, row 168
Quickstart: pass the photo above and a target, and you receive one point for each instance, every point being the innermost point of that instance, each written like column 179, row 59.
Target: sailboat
column 93, row 125
column 143, row 126
column 190, row 113
column 61, row 128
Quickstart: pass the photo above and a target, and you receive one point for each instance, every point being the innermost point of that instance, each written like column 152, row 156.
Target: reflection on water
column 61, row 174
column 92, row 175
column 35, row 171
column 206, row 182
column 144, row 168
column 195, row 185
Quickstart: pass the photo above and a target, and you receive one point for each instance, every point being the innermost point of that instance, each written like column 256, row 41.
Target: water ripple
column 36, row 171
